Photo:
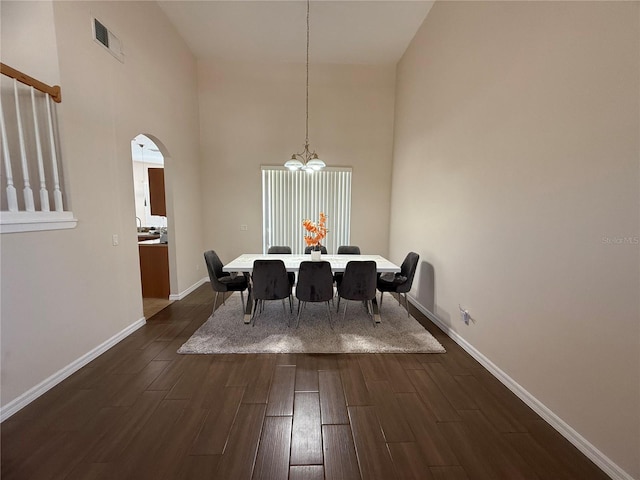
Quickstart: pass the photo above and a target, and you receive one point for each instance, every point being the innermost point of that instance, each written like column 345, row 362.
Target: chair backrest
column 270, row 280
column 323, row 249
column 359, row 281
column 315, row 282
column 408, row 269
column 348, row 250
column 279, row 249
column 214, row 267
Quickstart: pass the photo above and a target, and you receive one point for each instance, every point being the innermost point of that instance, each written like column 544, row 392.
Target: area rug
column 225, row 332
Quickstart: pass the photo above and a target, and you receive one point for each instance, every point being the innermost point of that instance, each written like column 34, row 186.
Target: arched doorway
column 151, row 222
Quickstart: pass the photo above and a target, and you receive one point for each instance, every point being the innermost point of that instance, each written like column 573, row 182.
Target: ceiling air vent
column 107, row 39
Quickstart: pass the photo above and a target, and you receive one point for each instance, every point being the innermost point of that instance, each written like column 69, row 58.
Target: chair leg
column 242, row 300
column 299, row 311
column 405, row 301
column 255, row 312
column 215, row 302
column 338, row 307
column 329, row 313
column 344, row 314
column 381, row 295
column 370, row 304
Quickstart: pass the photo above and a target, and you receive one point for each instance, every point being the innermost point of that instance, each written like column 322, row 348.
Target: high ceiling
column 347, row 32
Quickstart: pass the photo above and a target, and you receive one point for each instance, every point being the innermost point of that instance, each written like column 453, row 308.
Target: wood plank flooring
column 151, row 306
column 140, row 411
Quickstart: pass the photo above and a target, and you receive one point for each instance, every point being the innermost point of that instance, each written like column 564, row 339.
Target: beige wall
column 253, row 115
column 66, row 292
column 516, row 178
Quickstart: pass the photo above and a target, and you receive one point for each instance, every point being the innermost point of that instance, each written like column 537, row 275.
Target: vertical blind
column 289, row 197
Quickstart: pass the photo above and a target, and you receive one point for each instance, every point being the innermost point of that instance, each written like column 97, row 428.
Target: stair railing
column 37, row 159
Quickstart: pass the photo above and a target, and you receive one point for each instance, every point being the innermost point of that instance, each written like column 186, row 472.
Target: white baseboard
column 47, row 384
column 186, row 292
column 581, row 443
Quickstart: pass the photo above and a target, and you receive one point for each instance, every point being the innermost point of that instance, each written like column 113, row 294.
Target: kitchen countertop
column 155, row 242
column 147, row 236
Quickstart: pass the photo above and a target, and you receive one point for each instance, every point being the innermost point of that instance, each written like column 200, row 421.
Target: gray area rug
column 227, row 333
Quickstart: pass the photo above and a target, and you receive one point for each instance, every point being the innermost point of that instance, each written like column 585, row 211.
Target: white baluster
column 28, row 194
column 12, row 199
column 44, row 194
column 57, row 193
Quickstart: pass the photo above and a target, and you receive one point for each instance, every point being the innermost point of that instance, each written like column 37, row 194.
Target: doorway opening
column 151, row 223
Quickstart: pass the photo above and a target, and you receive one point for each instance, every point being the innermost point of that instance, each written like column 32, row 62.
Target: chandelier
column 306, row 160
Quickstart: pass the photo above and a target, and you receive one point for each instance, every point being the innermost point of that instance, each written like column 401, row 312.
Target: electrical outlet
column 244, row 228
column 114, row 240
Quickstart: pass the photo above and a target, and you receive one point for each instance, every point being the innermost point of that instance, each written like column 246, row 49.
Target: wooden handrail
column 54, row 91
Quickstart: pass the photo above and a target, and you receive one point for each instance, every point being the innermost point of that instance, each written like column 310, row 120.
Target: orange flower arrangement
column 316, row 231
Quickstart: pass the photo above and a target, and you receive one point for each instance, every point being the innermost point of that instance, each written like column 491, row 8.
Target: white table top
column 244, row 263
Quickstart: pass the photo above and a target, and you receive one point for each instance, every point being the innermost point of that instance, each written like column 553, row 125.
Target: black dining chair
column 358, row 283
column 345, row 250
column 223, row 282
column 400, row 283
column 323, row 249
column 315, row 284
column 286, row 250
column 279, row 249
column 348, row 250
column 270, row 282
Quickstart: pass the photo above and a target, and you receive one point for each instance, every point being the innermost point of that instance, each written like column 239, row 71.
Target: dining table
column 244, row 264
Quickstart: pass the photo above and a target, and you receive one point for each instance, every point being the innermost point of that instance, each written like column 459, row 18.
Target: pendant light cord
column 307, row 123
column 306, row 160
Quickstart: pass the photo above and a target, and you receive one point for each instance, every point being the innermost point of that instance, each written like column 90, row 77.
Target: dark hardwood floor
column 140, row 411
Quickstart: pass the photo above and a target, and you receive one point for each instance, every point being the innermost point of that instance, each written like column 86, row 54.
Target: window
column 288, row 197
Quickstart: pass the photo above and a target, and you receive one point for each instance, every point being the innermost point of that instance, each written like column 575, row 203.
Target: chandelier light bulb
column 315, row 163
column 294, row 163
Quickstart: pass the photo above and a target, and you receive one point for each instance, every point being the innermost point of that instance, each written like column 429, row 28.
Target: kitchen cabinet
column 154, row 269
column 157, row 201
